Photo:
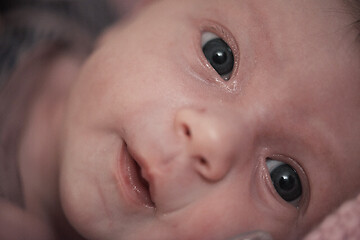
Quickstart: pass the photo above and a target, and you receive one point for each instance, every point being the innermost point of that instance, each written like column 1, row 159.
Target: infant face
column 203, row 119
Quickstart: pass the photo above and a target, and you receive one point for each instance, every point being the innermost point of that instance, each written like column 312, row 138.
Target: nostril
column 200, row 134
column 203, row 161
column 204, row 168
column 186, row 130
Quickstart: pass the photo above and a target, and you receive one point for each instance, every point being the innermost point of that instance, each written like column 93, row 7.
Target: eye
column 286, row 181
column 218, row 53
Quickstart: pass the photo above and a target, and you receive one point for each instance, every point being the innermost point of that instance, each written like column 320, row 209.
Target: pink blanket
column 344, row 224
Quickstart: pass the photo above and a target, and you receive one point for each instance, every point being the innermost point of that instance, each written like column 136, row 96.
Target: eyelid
column 303, row 202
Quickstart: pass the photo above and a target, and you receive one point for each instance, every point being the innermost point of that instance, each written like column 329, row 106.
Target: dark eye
column 219, row 54
column 286, row 181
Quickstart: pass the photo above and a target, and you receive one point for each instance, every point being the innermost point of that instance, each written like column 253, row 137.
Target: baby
column 198, row 120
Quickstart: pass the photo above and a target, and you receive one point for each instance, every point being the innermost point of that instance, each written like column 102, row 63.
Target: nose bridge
column 213, row 140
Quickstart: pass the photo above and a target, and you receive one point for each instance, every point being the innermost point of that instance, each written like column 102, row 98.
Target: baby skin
column 202, row 120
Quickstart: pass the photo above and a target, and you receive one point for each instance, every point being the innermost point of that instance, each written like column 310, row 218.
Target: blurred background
column 25, row 24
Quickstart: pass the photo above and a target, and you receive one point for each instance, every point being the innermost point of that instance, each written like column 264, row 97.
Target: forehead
column 296, row 49
column 307, row 70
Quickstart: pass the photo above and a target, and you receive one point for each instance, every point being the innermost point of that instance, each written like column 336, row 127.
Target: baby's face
column 263, row 133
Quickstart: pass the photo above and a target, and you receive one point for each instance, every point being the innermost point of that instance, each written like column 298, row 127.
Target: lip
column 134, row 179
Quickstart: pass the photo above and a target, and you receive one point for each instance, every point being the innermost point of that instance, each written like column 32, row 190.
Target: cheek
column 128, row 97
column 86, row 162
column 216, row 219
column 223, row 213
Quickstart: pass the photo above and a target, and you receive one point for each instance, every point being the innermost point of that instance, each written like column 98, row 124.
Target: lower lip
column 134, row 186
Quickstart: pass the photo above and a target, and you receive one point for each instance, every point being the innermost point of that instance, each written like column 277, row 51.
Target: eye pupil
column 219, row 55
column 286, row 182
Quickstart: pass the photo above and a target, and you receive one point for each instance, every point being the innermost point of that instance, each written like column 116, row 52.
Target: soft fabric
column 344, row 224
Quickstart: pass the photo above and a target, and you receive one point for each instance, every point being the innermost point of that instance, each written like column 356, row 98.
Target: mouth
column 136, row 186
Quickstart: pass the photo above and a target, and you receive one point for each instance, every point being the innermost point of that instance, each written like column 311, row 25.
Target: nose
column 210, row 144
